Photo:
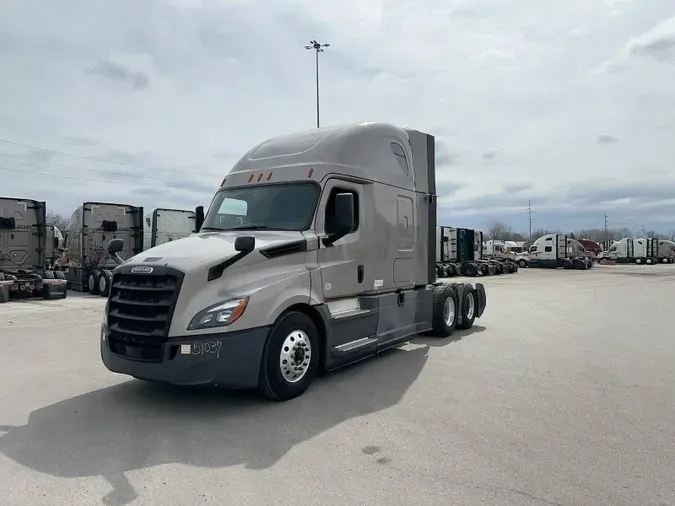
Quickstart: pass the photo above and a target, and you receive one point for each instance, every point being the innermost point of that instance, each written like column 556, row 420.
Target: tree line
column 501, row 231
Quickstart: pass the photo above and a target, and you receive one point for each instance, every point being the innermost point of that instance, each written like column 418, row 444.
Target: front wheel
column 291, row 357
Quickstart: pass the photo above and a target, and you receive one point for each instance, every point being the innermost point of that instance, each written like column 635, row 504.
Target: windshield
column 269, row 207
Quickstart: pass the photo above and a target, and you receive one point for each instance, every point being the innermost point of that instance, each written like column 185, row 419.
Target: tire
column 470, row 270
column 92, row 282
column 469, row 307
column 292, row 331
column 485, row 269
column 104, row 283
column 515, row 268
column 499, row 269
column 447, row 271
column 648, row 261
column 444, row 312
column 638, row 261
column 522, row 264
column 567, row 264
column 439, row 271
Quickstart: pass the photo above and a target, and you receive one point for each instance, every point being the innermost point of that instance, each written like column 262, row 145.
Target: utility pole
column 529, row 213
column 318, row 48
column 606, row 228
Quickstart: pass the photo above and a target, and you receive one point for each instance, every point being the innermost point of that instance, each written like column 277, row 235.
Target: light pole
column 318, row 48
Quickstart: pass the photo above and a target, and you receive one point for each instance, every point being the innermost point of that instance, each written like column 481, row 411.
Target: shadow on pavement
column 457, row 335
column 136, row 425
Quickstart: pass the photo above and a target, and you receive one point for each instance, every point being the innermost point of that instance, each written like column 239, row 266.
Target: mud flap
column 53, row 289
column 459, row 292
column 4, row 291
column 482, row 299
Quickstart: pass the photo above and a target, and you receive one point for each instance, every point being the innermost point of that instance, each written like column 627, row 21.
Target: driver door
column 344, row 272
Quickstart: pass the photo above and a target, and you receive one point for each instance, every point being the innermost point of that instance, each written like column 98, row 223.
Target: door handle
column 360, row 273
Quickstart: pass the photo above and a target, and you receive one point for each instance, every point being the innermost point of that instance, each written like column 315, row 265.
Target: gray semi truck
column 26, row 246
column 317, row 251
column 88, row 265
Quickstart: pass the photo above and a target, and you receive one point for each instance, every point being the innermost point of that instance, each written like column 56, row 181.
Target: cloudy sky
column 570, row 105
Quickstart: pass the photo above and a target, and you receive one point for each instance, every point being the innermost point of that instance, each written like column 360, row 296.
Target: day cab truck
column 317, row 251
column 88, row 265
column 166, row 225
column 558, row 250
column 25, row 269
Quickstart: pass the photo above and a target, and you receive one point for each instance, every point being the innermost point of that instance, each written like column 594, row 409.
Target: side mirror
column 199, row 218
column 244, row 244
column 344, row 218
column 115, row 246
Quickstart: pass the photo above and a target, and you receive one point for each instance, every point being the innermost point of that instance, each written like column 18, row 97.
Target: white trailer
column 557, row 250
column 166, row 225
column 638, row 251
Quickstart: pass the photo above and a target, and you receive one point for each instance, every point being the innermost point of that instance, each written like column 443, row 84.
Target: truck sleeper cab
column 314, row 253
column 25, row 252
column 558, row 250
column 93, row 224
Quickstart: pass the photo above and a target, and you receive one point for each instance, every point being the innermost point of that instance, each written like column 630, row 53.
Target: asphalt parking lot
column 563, row 393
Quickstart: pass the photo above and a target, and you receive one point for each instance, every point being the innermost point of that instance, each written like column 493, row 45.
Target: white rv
column 556, row 250
column 638, row 251
column 166, row 225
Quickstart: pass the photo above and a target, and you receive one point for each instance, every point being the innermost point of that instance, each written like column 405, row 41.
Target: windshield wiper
column 250, row 227
column 212, row 228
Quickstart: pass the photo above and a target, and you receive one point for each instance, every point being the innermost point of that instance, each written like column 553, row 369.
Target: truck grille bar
column 140, row 309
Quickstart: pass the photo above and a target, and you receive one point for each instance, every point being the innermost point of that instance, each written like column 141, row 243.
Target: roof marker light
column 223, row 183
column 260, row 176
column 269, row 176
column 250, row 178
column 311, row 171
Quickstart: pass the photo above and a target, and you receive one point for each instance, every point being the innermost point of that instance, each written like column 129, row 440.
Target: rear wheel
column 522, row 264
column 444, row 313
column 291, row 357
column 469, row 307
column 104, row 283
column 92, row 282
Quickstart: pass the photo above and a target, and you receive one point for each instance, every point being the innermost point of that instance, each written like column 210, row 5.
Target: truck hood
column 199, row 251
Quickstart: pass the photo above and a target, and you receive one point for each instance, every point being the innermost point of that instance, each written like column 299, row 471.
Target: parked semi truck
column 459, row 251
column 557, row 250
column 88, row 264
column 638, row 251
column 317, row 251
column 25, row 269
column 166, row 225
column 498, row 251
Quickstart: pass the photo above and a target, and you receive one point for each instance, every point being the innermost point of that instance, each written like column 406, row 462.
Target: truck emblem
column 141, row 269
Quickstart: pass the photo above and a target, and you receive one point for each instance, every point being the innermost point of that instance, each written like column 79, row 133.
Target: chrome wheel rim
column 449, row 311
column 295, row 356
column 101, row 283
column 472, row 306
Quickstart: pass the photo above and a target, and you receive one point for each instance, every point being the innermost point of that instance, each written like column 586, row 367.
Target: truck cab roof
column 368, row 151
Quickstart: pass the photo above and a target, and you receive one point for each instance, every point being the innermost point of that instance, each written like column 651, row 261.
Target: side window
column 548, row 248
column 399, row 154
column 330, row 210
column 533, row 249
column 613, row 248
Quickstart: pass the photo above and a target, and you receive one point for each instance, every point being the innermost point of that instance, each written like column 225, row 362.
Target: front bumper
column 228, row 359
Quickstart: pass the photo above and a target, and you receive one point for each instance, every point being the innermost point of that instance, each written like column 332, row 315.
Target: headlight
column 219, row 315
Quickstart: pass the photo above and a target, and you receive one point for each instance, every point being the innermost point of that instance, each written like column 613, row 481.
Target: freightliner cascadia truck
column 317, row 251
column 90, row 228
